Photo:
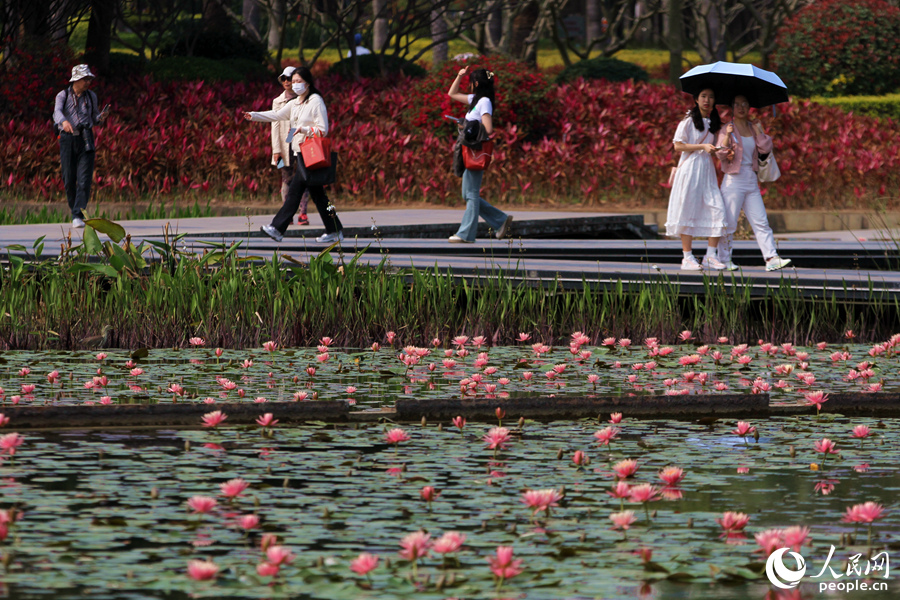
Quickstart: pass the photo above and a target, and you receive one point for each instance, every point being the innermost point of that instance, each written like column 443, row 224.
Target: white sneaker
column 711, row 262
column 730, row 266
column 776, row 262
column 455, row 239
column 78, row 223
column 690, row 264
column 330, row 238
column 504, row 229
column 272, row 232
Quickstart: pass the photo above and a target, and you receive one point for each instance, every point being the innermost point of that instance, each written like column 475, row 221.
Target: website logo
column 779, row 574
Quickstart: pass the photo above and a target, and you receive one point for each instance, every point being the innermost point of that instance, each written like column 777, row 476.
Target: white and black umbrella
column 761, row 88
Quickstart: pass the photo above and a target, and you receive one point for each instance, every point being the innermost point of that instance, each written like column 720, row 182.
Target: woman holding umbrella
column 758, row 88
column 696, row 207
column 744, row 144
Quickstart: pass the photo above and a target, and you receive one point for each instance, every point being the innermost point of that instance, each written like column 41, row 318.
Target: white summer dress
column 696, row 207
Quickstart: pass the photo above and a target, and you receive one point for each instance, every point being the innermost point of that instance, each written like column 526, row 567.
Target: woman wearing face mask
column 306, row 113
column 744, row 144
column 480, row 100
column 696, row 208
column 281, row 151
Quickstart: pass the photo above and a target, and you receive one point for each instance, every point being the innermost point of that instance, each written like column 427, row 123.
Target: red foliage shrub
column 613, row 144
column 521, row 94
column 30, row 73
column 835, row 47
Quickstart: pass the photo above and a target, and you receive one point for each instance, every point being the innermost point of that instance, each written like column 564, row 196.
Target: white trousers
column 741, row 192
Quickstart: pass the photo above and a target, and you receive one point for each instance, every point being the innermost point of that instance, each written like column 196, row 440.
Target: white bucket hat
column 287, row 73
column 80, row 72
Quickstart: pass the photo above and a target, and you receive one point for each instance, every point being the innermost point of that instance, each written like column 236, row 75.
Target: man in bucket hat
column 74, row 116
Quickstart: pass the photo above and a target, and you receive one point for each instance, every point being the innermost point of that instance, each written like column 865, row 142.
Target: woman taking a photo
column 307, row 114
column 696, row 208
column 481, row 101
column 744, row 144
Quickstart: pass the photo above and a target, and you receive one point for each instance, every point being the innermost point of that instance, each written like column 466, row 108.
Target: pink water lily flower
column 744, row 429
column 615, row 418
column 248, row 522
column 606, row 435
column 214, row 418
column 270, row 346
column 279, row 555
column 860, row 432
column 643, row 493
column 864, row 513
column 52, row 377
column 625, row 468
column 622, row 520
column 415, row 545
column 396, row 435
column 459, row 422
column 265, row 569
column 267, row 420
column 503, row 566
column 733, row 521
column 4, row 420
column 429, row 493
column 201, row 504
column 580, row 458
column 9, row 442
column 524, row 337
column 672, row 475
column 197, row 341
column 202, row 570
column 449, row 543
column 364, row 563
column 539, row 500
column 818, row 398
column 497, row 438
column 825, row 446
column 233, row 487
column 102, row 356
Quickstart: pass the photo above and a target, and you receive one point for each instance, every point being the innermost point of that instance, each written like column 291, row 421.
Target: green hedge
column 369, row 68
column 887, row 106
column 194, row 68
column 610, row 69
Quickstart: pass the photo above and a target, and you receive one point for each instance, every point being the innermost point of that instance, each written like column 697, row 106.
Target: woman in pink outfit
column 744, row 144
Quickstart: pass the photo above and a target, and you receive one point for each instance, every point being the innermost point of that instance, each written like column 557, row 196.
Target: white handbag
column 768, row 169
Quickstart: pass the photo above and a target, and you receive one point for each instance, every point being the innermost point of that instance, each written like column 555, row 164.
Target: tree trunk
column 215, row 18
column 440, row 50
column 99, row 34
column 495, row 27
column 675, row 40
column 592, row 16
column 522, row 27
column 276, row 25
column 380, row 29
column 251, row 16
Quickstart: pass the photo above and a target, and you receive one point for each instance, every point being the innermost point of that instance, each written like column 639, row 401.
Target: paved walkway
column 572, row 261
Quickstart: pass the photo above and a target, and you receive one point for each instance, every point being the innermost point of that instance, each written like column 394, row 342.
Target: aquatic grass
column 155, row 296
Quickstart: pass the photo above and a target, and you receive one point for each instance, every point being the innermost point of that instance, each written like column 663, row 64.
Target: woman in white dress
column 744, row 144
column 696, row 208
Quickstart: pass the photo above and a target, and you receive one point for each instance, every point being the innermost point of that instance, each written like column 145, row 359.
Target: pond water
column 376, row 378
column 104, row 513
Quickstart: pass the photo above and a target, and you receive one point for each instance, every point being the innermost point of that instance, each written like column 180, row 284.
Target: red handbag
column 478, row 160
column 316, row 152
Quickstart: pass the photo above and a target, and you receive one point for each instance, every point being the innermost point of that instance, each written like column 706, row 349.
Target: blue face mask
column 299, row 88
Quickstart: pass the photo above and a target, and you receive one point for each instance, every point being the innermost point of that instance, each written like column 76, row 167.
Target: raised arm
column 454, row 92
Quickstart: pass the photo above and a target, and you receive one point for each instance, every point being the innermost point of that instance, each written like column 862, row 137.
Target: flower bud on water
column 424, row 421
column 154, row 493
column 187, row 445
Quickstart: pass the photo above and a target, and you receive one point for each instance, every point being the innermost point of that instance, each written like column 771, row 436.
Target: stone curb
column 731, row 406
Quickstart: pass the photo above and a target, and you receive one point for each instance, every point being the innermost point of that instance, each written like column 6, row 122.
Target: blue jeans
column 477, row 206
column 77, row 172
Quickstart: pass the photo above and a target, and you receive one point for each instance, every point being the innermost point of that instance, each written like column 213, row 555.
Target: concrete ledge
column 164, row 415
column 711, row 407
column 696, row 406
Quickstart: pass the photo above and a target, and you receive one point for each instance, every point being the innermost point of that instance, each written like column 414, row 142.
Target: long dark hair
column 307, row 76
column 715, row 121
column 483, row 82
